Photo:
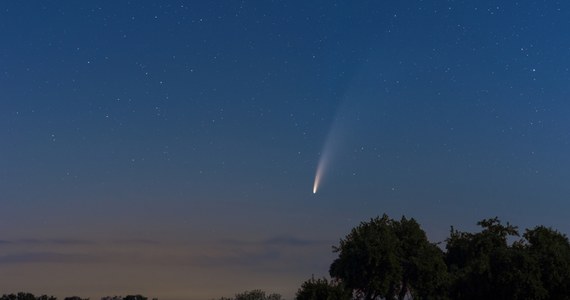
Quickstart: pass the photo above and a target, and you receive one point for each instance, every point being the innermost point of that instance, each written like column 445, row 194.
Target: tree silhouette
column 135, row 297
column 484, row 266
column 254, row 295
column 551, row 250
column 389, row 259
column 322, row 289
column 26, row 296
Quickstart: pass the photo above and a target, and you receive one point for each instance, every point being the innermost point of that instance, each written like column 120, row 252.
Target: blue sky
column 171, row 148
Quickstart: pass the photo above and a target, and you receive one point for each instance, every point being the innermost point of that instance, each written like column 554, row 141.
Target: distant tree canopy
column 26, row 296
column 29, row 296
column 135, row 297
column 128, row 297
column 315, row 289
column 391, row 259
column 254, row 295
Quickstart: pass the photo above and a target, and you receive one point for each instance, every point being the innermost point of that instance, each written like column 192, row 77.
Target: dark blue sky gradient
column 176, row 143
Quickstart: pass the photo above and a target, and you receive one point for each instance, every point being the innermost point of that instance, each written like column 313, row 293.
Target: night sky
column 169, row 148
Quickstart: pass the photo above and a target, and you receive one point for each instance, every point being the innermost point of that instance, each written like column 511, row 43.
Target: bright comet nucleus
column 317, row 181
column 320, row 170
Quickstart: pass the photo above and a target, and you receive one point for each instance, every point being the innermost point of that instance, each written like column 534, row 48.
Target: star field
column 159, row 148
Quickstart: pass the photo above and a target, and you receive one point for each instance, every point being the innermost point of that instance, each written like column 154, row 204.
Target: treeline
column 393, row 259
column 30, row 296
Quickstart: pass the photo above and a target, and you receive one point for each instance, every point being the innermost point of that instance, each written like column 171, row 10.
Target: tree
column 484, row 266
column 515, row 274
column 322, row 289
column 551, row 249
column 390, row 259
column 425, row 273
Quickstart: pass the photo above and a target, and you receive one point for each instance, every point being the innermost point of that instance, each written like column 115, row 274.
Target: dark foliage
column 254, row 295
column 390, row 259
column 26, row 296
column 135, row 297
column 322, row 289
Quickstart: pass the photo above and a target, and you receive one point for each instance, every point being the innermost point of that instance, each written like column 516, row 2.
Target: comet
column 326, row 155
column 323, row 164
column 318, row 177
column 351, row 107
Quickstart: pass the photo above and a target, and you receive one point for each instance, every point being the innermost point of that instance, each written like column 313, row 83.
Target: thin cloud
column 281, row 241
column 74, row 242
column 136, row 242
column 47, row 257
column 56, row 241
column 239, row 258
column 277, row 252
column 292, row 241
